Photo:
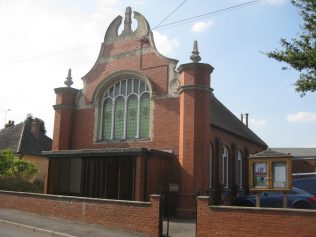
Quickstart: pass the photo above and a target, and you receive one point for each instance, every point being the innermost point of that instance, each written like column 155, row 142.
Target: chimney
column 36, row 127
column 9, row 124
column 242, row 118
column 247, row 119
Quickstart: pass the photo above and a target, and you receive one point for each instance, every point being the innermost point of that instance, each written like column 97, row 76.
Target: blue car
column 297, row 198
column 306, row 184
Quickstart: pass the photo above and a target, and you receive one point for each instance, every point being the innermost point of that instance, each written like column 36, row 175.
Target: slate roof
column 269, row 153
column 21, row 140
column 223, row 118
column 297, row 152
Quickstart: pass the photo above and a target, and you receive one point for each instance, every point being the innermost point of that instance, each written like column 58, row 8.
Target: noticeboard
column 260, row 177
column 270, row 174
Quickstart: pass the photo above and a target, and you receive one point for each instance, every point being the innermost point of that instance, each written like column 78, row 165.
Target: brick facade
column 242, row 221
column 138, row 217
column 180, row 119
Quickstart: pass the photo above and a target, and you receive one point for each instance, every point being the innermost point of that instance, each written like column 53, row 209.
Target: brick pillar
column 140, row 183
column 155, row 201
column 64, row 116
column 202, row 218
column 194, row 137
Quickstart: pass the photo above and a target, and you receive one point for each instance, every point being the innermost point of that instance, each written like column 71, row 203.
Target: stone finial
column 68, row 82
column 128, row 22
column 195, row 57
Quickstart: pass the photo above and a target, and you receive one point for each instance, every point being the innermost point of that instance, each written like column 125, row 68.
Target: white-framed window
column 225, row 165
column 211, row 160
column 126, row 110
column 239, row 169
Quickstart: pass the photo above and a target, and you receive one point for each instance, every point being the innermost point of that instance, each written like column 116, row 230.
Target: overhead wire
column 159, row 26
column 48, row 54
column 171, row 13
column 208, row 14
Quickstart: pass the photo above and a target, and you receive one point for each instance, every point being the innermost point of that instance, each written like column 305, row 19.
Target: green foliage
column 23, row 169
column 16, row 175
column 300, row 53
column 6, row 162
column 21, row 185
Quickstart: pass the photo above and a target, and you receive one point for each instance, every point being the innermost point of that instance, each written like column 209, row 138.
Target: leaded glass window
column 144, row 115
column 131, row 118
column 126, row 110
column 119, row 109
column 107, row 118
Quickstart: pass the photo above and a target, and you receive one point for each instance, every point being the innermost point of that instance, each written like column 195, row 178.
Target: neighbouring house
column 303, row 162
column 27, row 141
column 142, row 125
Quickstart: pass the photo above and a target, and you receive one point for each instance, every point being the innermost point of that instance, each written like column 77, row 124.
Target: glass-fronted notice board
column 260, row 175
column 279, row 179
column 270, row 171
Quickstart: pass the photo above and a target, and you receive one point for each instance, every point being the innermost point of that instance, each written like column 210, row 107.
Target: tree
column 6, row 162
column 15, row 168
column 16, row 175
column 300, row 53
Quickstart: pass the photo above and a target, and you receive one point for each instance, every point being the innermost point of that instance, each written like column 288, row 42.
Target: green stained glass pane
column 119, row 111
column 131, row 118
column 129, row 86
column 111, row 92
column 117, row 89
column 136, row 86
column 123, row 87
column 144, row 115
column 142, row 86
column 107, row 119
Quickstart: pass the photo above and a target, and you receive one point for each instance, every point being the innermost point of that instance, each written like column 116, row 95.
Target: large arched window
column 126, row 110
column 225, row 167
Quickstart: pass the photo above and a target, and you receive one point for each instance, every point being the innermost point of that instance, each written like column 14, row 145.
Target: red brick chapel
column 143, row 125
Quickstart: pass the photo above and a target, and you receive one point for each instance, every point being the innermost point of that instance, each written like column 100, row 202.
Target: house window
column 126, row 110
column 225, row 167
column 239, row 170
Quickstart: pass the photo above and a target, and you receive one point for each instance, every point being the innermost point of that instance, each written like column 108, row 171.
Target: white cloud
column 34, row 28
column 165, row 45
column 257, row 123
column 301, row 117
column 309, row 146
column 201, row 26
column 276, row 2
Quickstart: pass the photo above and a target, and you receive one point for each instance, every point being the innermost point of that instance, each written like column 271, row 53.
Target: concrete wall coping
column 238, row 208
column 75, row 198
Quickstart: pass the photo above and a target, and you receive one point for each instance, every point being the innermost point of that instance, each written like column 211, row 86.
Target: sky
column 41, row 39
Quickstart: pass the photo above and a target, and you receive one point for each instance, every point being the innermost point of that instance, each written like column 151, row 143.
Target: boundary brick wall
column 138, row 217
column 250, row 221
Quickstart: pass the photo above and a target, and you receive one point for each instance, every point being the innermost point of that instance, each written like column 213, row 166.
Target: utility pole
column 5, row 115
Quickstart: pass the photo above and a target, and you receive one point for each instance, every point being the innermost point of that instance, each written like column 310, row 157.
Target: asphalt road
column 12, row 231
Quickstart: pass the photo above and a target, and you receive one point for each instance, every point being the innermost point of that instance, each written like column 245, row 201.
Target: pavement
column 52, row 226
column 58, row 227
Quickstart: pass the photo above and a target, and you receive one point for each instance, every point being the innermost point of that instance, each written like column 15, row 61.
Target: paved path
column 58, row 227
column 180, row 228
column 53, row 225
column 8, row 230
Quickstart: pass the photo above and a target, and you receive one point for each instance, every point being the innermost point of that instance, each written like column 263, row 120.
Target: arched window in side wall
column 126, row 111
column 225, row 174
column 239, row 169
column 211, row 165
